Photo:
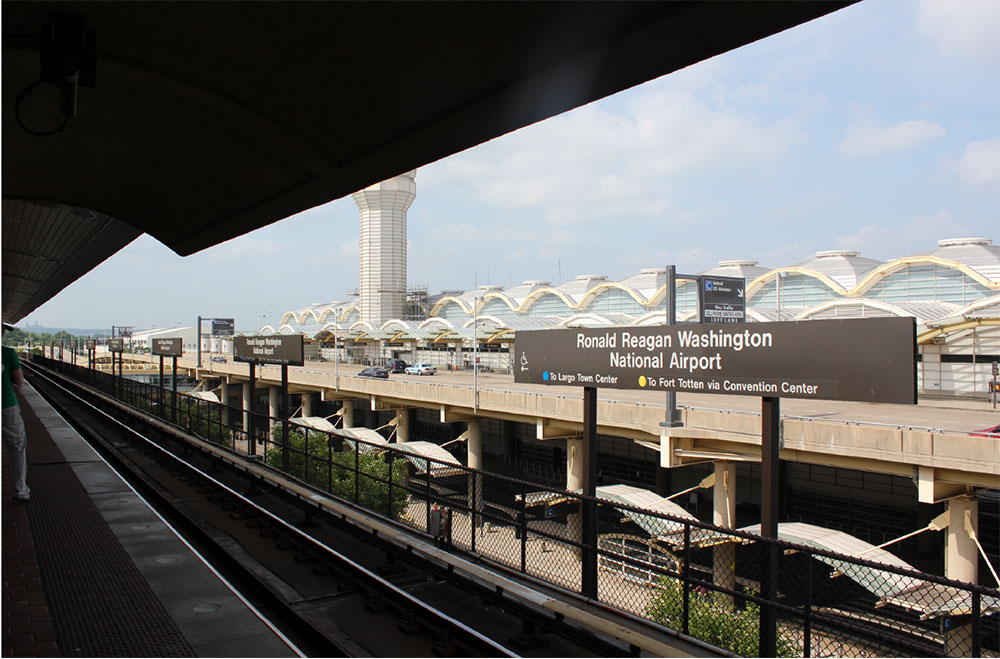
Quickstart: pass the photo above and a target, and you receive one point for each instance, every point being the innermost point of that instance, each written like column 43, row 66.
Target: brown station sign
column 167, row 347
column 274, row 349
column 862, row 359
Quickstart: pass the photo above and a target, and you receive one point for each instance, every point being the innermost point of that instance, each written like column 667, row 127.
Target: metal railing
column 702, row 580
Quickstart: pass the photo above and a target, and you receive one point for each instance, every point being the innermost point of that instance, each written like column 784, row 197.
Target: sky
column 875, row 128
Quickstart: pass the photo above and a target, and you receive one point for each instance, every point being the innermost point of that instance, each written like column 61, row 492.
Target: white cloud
column 783, row 255
column 871, row 139
column 615, row 161
column 888, row 242
column 966, row 29
column 980, row 163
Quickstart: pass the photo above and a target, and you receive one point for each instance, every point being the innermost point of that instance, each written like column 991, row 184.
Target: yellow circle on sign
column 642, row 380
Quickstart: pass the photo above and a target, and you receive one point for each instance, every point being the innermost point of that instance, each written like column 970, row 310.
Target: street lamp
column 475, row 353
column 260, row 320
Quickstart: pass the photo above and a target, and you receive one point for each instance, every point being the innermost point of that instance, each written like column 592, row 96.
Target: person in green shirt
column 14, row 437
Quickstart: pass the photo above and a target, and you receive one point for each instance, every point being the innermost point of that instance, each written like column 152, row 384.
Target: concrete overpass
column 928, row 442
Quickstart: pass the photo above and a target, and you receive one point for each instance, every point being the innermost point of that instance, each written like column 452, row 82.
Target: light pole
column 260, row 320
column 475, row 353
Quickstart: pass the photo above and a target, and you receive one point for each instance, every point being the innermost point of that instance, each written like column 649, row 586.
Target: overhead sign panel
column 862, row 359
column 223, row 326
column 722, row 299
column 116, row 345
column 276, row 349
column 168, row 347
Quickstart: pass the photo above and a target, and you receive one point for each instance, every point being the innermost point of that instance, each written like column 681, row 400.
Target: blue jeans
column 15, row 439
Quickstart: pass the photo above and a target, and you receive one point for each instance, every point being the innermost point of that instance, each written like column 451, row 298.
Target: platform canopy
column 928, row 599
column 419, row 454
column 197, row 122
column 313, row 422
column 640, row 498
column 370, row 440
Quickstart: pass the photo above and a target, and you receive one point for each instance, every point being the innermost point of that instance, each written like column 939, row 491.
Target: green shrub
column 201, row 419
column 712, row 618
column 333, row 471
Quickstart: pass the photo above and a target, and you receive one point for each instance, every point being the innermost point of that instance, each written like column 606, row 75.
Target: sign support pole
column 589, row 457
column 671, row 299
column 161, row 386
column 286, row 441
column 174, row 402
column 252, row 445
column 198, row 334
column 770, row 485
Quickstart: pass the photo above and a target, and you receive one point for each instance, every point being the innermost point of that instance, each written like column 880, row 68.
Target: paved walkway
column 27, row 622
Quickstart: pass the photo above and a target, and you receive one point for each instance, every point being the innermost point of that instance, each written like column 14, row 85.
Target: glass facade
column 930, row 282
column 496, row 307
column 615, row 300
column 549, row 305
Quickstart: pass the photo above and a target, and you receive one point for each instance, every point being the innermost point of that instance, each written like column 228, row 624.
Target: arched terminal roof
column 977, row 254
column 926, row 286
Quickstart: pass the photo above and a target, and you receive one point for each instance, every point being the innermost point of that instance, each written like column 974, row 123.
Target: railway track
column 334, row 588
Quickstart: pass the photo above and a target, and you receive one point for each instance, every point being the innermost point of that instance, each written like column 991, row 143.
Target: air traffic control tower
column 382, row 281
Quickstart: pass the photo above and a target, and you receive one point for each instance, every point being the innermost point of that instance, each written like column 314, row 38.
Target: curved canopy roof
column 978, row 254
column 640, row 498
column 419, row 454
column 845, row 268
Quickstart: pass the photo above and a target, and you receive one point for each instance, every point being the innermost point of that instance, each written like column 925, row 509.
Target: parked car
column 421, row 369
column 993, row 431
column 374, row 372
column 219, row 360
column 396, row 366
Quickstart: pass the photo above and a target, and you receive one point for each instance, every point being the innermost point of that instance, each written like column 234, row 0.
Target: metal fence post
column 807, row 613
column 475, row 504
column 286, row 444
column 523, row 525
column 357, row 471
column 686, row 584
column 427, row 483
column 977, row 628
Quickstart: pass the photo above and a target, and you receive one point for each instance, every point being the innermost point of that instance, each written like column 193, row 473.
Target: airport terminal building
column 953, row 292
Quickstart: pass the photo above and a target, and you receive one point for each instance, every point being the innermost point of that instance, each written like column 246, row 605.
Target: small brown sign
column 168, row 347
column 275, row 349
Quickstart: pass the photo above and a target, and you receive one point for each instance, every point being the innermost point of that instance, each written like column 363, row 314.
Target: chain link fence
column 671, row 569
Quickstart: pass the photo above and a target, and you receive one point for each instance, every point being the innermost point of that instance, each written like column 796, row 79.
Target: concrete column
column 475, row 444
column 348, row 407
column 224, row 397
column 574, row 481
column 307, row 407
column 273, row 394
column 246, row 407
column 403, row 417
column 723, row 514
column 474, row 450
column 961, row 562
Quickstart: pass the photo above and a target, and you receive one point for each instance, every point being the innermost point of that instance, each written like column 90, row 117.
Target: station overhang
column 200, row 122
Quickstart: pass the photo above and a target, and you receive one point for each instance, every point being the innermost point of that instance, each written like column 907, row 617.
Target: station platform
column 90, row 570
